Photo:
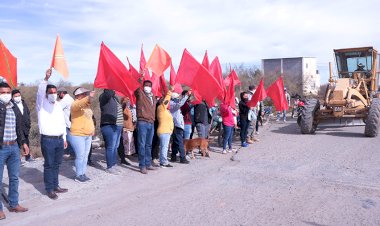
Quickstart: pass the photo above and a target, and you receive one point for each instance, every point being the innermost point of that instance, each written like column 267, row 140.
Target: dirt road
column 331, row 178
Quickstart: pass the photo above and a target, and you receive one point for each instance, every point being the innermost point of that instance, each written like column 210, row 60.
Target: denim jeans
column 177, row 145
column 81, row 146
column 187, row 131
column 10, row 155
column 145, row 132
column 201, row 129
column 281, row 114
column 52, row 150
column 228, row 133
column 69, row 150
column 111, row 135
column 244, row 123
column 164, row 147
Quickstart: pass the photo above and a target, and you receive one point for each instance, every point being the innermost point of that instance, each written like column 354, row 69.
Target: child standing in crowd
column 82, row 129
column 129, row 146
column 228, row 126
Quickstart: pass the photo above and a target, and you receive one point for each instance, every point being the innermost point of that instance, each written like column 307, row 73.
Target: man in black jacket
column 23, row 110
column 202, row 119
column 11, row 138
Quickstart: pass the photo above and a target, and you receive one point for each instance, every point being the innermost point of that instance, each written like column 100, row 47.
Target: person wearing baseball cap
column 82, row 129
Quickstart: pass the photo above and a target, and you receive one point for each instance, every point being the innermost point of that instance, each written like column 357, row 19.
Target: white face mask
column 5, row 98
column 17, row 99
column 52, row 97
column 147, row 89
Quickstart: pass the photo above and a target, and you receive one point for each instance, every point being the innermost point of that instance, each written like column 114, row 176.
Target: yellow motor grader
column 353, row 95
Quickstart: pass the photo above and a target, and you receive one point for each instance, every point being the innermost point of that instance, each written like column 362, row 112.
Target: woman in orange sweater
column 82, row 129
column 165, row 128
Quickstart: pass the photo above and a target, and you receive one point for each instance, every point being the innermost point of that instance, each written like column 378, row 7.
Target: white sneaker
column 257, row 133
column 224, row 151
column 277, row 120
column 230, row 150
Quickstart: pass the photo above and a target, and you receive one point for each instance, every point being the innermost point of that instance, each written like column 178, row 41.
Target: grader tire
column 307, row 116
column 373, row 119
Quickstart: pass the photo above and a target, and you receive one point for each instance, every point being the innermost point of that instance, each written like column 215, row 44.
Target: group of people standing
column 67, row 123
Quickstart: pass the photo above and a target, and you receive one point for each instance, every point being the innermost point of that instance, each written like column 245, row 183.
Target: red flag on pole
column 259, row 95
column 234, row 77
column 216, row 71
column 205, row 61
column 277, row 94
column 173, row 75
column 58, row 62
column 230, row 95
column 132, row 70
column 158, row 61
column 143, row 63
column 8, row 66
column 112, row 74
column 196, row 76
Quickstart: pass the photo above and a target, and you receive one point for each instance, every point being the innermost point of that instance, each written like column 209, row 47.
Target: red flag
column 216, row 71
column 173, row 75
column 230, row 95
column 196, row 76
column 277, row 94
column 158, row 61
column 8, row 66
column 205, row 61
column 259, row 95
column 143, row 63
column 132, row 70
column 58, row 62
column 112, row 74
column 234, row 77
column 163, row 87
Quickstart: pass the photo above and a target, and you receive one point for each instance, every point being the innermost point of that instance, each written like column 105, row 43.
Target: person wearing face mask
column 146, row 115
column 179, row 125
column 244, row 122
column 65, row 100
column 23, row 109
column 11, row 139
column 111, row 125
column 52, row 126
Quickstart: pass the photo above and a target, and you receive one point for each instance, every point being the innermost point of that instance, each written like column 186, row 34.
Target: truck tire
column 373, row 119
column 307, row 116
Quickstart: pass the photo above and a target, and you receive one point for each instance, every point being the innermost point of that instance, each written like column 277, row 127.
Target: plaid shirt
column 10, row 124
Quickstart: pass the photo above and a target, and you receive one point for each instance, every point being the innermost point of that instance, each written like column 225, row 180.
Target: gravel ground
column 331, row 178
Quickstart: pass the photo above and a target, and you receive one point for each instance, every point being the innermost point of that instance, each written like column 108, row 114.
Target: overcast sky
column 237, row 31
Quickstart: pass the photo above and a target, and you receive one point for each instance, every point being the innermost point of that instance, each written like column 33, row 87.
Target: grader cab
column 353, row 95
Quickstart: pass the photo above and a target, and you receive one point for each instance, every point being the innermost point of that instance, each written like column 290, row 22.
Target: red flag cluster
column 112, row 74
column 197, row 77
column 204, row 79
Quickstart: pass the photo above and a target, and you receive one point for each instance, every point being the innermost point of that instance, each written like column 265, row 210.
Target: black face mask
column 245, row 100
